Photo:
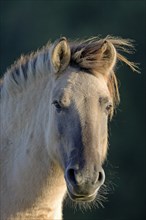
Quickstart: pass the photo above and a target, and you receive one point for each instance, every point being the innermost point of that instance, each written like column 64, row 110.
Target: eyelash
column 109, row 108
column 57, row 105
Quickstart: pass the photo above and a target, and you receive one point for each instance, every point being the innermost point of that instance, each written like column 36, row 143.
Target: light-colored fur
column 32, row 172
column 29, row 168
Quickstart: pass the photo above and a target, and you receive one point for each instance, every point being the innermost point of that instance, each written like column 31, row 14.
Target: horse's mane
column 19, row 72
column 83, row 55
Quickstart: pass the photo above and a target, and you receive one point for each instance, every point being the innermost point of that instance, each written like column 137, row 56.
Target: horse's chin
column 81, row 198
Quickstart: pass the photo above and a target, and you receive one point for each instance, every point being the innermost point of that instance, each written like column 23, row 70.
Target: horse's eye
column 57, row 105
column 109, row 108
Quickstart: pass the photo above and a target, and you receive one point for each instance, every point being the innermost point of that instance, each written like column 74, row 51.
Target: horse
column 55, row 107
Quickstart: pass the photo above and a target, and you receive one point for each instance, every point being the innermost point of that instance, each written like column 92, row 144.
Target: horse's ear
column 60, row 55
column 107, row 55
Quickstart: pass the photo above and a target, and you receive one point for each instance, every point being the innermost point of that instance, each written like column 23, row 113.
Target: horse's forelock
column 88, row 55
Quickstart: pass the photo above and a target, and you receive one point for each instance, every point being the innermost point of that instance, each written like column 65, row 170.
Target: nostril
column 74, row 176
column 101, row 177
column 71, row 175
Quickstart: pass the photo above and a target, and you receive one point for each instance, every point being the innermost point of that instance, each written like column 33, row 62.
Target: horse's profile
column 55, row 106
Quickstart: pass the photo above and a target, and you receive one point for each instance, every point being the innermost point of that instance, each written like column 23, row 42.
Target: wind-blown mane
column 85, row 55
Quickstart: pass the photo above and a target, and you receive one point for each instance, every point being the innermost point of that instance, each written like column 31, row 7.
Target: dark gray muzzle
column 83, row 184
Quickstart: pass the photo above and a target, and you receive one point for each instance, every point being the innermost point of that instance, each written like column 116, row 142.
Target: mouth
column 82, row 198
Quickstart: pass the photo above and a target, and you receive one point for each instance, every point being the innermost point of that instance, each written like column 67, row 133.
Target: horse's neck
column 31, row 175
column 49, row 204
column 38, row 181
column 42, row 195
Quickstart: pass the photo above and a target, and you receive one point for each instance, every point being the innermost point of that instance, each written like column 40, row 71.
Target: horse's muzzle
column 83, row 185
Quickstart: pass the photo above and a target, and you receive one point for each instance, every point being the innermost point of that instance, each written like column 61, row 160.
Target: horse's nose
column 77, row 177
